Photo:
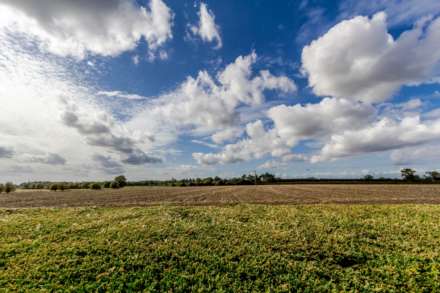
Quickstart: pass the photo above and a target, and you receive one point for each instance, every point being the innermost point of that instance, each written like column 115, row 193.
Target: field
column 207, row 239
column 232, row 248
column 267, row 194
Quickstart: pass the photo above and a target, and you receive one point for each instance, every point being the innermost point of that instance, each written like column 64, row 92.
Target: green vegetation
column 95, row 186
column 8, row 187
column 232, row 249
column 408, row 176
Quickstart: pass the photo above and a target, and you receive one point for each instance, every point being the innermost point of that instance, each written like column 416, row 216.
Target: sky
column 160, row 89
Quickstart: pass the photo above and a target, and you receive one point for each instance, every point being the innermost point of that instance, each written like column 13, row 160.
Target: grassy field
column 231, row 248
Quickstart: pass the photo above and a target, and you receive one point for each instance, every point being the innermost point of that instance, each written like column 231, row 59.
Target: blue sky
column 159, row 89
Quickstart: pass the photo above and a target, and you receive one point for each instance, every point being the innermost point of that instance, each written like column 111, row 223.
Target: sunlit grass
column 236, row 248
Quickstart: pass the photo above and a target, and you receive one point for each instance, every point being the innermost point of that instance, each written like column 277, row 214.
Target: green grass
column 230, row 249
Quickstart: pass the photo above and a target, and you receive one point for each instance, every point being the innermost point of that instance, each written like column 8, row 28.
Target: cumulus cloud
column 6, row 152
column 258, row 143
column 385, row 134
column 78, row 28
column 226, row 135
column 208, row 105
column 207, row 29
column 359, row 59
column 295, row 123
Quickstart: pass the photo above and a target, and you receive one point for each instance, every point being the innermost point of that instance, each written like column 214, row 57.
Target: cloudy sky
column 156, row 89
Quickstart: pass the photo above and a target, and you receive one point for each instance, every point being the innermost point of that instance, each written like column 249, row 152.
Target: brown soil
column 270, row 194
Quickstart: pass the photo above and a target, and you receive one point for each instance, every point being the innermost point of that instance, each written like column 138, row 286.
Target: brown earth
column 218, row 195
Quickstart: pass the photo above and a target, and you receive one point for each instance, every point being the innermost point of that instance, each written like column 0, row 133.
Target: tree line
column 408, row 175
column 117, row 182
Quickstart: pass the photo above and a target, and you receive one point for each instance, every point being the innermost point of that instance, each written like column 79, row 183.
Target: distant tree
column 9, row 187
column 61, row 187
column 218, row 181
column 408, row 174
column 114, row 185
column 267, row 177
column 121, row 180
column 368, row 177
column 2, row 188
column 54, row 187
column 208, row 181
column 95, row 186
column 432, row 175
column 107, row 184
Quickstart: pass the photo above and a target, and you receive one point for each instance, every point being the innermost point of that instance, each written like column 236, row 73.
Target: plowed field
column 268, row 194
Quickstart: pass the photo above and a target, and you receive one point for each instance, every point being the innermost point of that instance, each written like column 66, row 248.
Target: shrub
column 61, row 187
column 2, row 188
column 114, row 184
column 53, row 187
column 95, row 186
column 9, row 187
column 107, row 184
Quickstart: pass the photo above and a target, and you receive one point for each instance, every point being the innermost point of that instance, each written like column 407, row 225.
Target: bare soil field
column 219, row 195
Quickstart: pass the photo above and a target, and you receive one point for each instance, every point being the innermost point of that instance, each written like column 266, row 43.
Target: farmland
column 231, row 248
column 279, row 238
column 219, row 195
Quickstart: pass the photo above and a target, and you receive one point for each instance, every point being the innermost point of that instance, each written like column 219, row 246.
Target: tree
column 53, row 187
column 61, row 187
column 107, row 184
column 368, row 177
column 114, row 185
column 9, row 187
column 267, row 177
column 408, row 174
column 121, row 180
column 95, row 186
column 2, row 188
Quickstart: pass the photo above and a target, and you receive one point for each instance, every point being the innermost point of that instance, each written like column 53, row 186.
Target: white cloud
column 207, row 29
column 78, row 28
column 295, row 123
column 135, row 59
column 258, row 143
column 359, row 59
column 32, row 94
column 119, row 94
column 226, row 135
column 385, row 134
column 413, row 104
column 206, row 105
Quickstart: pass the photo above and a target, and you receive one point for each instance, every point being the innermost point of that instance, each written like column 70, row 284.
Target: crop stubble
column 219, row 195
